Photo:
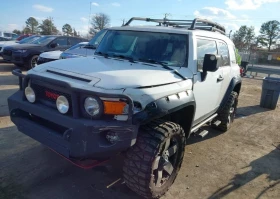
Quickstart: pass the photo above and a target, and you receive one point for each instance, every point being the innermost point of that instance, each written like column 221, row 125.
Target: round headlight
column 62, row 104
column 91, row 106
column 30, row 94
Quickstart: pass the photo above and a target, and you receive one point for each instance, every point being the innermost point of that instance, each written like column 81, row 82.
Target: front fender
column 164, row 106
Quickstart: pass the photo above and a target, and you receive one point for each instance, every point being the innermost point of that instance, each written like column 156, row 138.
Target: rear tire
column 152, row 164
column 227, row 114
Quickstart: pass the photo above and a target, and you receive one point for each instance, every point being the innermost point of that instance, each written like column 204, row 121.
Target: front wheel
column 32, row 62
column 152, row 164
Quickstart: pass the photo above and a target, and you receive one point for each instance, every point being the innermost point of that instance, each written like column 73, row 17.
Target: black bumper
column 71, row 137
column 15, row 58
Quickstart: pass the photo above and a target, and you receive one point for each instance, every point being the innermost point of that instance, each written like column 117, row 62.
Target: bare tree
column 99, row 22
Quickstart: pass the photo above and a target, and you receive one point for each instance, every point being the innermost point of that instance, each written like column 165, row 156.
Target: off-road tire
column 225, row 113
column 30, row 62
column 140, row 159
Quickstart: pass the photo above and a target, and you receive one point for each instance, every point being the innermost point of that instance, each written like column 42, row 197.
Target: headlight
column 62, row 104
column 92, row 106
column 30, row 94
column 20, row 51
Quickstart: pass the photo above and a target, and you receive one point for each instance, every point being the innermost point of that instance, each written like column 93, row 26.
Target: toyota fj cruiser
column 146, row 90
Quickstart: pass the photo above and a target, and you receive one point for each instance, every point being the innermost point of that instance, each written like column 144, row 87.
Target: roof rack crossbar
column 197, row 23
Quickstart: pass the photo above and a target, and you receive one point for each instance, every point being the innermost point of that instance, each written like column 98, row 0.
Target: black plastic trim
column 162, row 107
column 69, row 76
column 234, row 81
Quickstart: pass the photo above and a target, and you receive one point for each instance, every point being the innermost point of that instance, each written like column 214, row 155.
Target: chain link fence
column 261, row 58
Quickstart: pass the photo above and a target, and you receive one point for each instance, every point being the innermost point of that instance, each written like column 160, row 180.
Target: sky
column 230, row 13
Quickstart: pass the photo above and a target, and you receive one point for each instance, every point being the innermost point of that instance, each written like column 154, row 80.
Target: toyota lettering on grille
column 51, row 95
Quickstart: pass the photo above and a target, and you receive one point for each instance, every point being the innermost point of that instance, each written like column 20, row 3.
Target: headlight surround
column 62, row 104
column 30, row 94
column 92, row 106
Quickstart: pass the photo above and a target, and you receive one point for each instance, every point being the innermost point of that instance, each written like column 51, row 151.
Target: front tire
column 32, row 62
column 152, row 164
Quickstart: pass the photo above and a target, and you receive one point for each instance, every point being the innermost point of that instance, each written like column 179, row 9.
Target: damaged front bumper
column 71, row 136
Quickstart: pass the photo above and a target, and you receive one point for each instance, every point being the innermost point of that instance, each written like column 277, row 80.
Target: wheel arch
column 235, row 85
column 178, row 108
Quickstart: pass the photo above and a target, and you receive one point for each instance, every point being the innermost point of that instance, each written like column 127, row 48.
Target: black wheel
column 227, row 114
column 32, row 62
column 152, row 164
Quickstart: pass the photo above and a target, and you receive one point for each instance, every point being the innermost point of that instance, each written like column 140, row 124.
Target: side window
column 61, row 41
column 232, row 54
column 73, row 41
column 204, row 47
column 223, row 51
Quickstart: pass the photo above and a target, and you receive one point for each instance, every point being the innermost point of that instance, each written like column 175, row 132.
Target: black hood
column 25, row 46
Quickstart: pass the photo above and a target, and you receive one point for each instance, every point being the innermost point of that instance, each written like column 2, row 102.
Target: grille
column 7, row 52
column 42, row 98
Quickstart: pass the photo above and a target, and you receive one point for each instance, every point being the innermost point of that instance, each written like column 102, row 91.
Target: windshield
column 28, row 39
column 163, row 48
column 97, row 38
column 43, row 40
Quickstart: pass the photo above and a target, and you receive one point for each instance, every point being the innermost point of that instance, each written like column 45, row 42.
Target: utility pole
column 165, row 17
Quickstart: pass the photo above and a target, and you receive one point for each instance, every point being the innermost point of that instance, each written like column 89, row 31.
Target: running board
column 204, row 122
column 203, row 133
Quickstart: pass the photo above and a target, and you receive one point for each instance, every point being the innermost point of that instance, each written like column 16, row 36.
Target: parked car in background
column 27, row 54
column 4, row 39
column 55, row 55
column 23, row 37
column 23, row 41
column 82, row 49
column 8, row 35
column 87, row 50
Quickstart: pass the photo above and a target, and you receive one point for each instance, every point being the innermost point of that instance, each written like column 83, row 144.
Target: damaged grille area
column 48, row 96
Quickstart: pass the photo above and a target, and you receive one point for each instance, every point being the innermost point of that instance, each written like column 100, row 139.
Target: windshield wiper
column 124, row 57
column 90, row 46
column 106, row 55
column 152, row 61
column 164, row 65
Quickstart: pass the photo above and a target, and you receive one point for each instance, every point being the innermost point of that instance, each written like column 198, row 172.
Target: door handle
column 220, row 78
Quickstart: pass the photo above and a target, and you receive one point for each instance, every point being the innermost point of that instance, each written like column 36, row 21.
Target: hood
column 25, row 46
column 51, row 54
column 83, row 52
column 112, row 73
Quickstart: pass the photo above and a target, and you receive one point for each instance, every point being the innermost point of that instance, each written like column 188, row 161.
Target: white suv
column 146, row 90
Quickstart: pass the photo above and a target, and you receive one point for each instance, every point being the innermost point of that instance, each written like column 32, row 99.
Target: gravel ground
column 241, row 163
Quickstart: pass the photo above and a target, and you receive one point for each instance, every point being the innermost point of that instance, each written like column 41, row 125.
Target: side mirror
column 211, row 62
column 53, row 45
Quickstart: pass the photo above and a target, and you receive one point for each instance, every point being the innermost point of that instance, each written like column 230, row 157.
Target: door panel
column 207, row 92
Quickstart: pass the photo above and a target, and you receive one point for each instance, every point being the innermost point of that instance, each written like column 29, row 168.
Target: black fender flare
column 165, row 106
column 234, row 81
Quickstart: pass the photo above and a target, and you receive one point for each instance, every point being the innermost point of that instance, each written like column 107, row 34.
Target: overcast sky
column 230, row 13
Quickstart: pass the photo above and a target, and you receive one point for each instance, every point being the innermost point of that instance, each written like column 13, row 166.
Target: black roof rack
column 197, row 23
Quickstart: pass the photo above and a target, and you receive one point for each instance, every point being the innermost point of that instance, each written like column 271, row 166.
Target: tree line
column 245, row 38
column 47, row 27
